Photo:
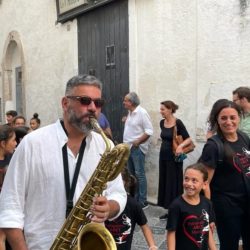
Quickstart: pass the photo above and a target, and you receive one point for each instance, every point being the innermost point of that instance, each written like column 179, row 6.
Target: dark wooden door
column 103, row 52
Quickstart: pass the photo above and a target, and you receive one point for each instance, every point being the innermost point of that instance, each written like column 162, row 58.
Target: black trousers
column 231, row 229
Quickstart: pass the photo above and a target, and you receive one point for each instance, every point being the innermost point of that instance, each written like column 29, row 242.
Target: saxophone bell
column 95, row 236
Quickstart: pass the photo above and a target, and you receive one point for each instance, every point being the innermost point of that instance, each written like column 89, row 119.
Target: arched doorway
column 13, row 75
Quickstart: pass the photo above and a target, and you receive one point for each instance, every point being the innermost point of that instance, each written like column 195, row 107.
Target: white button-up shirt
column 33, row 196
column 137, row 123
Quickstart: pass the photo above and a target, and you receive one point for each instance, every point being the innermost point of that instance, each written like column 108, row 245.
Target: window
column 110, row 56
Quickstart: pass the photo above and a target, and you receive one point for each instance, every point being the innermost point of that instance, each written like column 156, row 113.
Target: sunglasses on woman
column 86, row 100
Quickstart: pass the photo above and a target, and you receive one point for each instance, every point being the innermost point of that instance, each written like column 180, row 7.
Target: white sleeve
column 147, row 124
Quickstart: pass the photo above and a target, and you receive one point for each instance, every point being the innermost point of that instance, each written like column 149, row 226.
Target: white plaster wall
column 192, row 52
column 165, row 52
column 50, row 53
column 223, row 52
column 165, row 66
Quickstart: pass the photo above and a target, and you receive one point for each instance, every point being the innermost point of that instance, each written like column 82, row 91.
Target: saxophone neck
column 96, row 126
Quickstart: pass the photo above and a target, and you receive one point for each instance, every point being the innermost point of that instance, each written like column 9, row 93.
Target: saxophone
column 77, row 232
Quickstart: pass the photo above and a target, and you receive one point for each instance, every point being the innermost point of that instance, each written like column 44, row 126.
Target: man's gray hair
column 82, row 80
column 133, row 98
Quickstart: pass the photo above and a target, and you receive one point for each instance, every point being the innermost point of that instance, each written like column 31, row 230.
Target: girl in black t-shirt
column 122, row 228
column 230, row 178
column 191, row 214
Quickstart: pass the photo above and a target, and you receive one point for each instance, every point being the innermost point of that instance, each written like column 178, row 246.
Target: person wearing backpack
column 226, row 156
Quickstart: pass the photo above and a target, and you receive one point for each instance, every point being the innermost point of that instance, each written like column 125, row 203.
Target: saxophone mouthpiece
column 95, row 125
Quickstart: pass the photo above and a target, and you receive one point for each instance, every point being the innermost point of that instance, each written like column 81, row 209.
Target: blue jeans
column 136, row 164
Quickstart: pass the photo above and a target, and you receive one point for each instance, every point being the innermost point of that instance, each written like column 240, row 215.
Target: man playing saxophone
column 51, row 167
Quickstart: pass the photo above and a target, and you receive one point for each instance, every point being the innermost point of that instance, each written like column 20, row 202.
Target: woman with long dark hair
column 229, row 178
column 7, row 147
column 170, row 170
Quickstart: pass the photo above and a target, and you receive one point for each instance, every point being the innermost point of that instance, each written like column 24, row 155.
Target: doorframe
column 8, row 75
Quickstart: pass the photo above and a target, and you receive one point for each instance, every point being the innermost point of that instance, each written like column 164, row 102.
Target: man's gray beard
column 78, row 123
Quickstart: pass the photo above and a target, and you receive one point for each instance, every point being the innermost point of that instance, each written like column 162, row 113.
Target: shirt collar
column 135, row 110
column 62, row 136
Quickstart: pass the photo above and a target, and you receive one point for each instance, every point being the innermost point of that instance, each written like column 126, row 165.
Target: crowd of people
column 43, row 173
column 11, row 135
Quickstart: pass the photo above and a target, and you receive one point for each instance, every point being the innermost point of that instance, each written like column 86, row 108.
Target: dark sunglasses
column 85, row 100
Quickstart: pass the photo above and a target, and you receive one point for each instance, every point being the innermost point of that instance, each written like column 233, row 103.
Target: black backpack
column 220, row 145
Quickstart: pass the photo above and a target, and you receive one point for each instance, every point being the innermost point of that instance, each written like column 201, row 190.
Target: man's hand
column 136, row 143
column 179, row 150
column 140, row 140
column 100, row 209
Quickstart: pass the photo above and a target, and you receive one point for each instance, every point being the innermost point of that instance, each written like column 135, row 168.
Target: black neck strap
column 62, row 123
column 70, row 191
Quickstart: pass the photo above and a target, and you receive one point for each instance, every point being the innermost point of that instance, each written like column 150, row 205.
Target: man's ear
column 2, row 144
column 243, row 100
column 64, row 102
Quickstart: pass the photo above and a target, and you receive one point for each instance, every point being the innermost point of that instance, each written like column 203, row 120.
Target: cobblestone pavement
column 158, row 228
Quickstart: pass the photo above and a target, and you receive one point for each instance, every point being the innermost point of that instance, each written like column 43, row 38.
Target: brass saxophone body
column 77, row 232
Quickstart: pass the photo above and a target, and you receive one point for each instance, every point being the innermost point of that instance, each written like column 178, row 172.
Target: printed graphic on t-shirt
column 242, row 162
column 196, row 228
column 121, row 229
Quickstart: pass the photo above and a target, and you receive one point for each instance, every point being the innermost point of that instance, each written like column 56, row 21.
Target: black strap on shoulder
column 70, row 191
column 62, row 123
column 177, row 122
column 177, row 125
column 245, row 137
column 162, row 123
column 219, row 141
column 220, row 147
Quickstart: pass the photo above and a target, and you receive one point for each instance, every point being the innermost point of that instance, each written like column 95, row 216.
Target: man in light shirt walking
column 137, row 131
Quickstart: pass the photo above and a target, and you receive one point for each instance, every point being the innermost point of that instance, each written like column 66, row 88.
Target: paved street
column 157, row 226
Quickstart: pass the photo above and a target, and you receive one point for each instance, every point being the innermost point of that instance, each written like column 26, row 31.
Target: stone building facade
column 192, row 52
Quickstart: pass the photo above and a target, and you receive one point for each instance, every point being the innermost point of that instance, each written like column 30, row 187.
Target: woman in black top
column 7, row 147
column 170, row 171
column 230, row 178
